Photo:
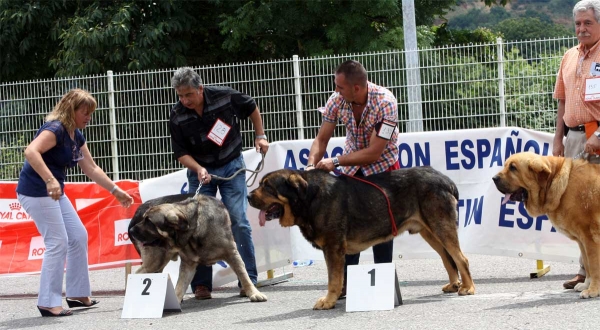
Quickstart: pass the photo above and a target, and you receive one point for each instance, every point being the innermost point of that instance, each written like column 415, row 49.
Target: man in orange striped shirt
column 579, row 64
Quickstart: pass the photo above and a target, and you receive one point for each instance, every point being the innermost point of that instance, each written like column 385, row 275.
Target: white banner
column 469, row 157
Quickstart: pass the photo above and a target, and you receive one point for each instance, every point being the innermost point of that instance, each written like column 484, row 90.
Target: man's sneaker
column 202, row 292
column 570, row 284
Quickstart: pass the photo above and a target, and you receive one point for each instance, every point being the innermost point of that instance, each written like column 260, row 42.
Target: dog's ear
column 541, row 168
column 176, row 219
column 298, row 183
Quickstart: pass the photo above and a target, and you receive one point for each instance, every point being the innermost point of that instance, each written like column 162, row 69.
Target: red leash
column 392, row 220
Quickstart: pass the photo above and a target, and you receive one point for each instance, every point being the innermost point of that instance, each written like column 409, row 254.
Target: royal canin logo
column 36, row 248
column 121, row 235
column 15, row 206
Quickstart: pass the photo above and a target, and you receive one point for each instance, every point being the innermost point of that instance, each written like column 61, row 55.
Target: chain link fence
column 462, row 87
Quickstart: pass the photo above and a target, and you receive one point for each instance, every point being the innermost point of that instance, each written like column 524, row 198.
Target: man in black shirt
column 206, row 138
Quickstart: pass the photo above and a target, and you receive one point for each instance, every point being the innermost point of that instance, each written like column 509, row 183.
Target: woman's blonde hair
column 64, row 110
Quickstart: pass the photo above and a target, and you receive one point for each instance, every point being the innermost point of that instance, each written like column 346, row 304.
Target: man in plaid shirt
column 370, row 113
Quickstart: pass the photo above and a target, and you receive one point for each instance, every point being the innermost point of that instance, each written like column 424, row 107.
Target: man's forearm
column 256, row 120
column 190, row 163
column 317, row 150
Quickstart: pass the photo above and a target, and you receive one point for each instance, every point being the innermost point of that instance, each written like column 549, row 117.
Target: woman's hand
column 123, row 197
column 53, row 189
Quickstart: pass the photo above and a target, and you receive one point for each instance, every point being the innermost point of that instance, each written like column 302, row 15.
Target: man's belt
column 580, row 128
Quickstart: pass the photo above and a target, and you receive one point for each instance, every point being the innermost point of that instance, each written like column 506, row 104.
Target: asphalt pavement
column 506, row 298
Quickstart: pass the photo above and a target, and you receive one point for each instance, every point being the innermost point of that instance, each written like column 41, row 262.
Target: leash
column 584, row 155
column 252, row 176
column 392, row 219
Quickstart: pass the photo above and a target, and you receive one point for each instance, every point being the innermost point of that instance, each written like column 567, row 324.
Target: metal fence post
column 298, row 90
column 501, row 82
column 413, row 73
column 113, row 126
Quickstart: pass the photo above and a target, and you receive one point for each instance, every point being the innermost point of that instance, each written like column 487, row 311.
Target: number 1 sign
column 372, row 287
column 148, row 296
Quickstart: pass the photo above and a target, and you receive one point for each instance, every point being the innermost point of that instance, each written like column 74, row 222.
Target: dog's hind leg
column 449, row 264
column 440, row 214
column 590, row 252
column 239, row 268
column 452, row 246
column 586, row 284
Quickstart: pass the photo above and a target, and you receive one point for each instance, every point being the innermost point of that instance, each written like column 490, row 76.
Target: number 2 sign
column 148, row 296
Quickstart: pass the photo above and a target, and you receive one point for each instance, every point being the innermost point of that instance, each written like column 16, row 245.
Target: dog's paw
column 257, row 297
column 465, row 291
column 451, row 287
column 585, row 294
column 582, row 286
column 324, row 303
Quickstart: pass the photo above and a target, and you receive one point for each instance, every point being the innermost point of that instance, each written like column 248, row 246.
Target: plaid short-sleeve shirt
column 570, row 85
column 381, row 104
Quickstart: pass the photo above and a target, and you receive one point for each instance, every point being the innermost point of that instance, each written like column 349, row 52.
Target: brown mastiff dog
column 197, row 229
column 567, row 191
column 342, row 215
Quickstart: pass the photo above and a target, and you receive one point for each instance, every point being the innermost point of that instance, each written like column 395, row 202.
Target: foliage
column 476, row 17
column 554, row 14
column 28, row 33
column 445, row 36
column 122, row 36
column 530, row 28
column 473, row 100
column 11, row 158
column 45, row 38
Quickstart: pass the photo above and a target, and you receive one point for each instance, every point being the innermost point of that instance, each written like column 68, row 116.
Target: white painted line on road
column 531, row 295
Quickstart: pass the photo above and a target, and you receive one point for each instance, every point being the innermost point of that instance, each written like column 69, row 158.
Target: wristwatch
column 597, row 134
column 336, row 162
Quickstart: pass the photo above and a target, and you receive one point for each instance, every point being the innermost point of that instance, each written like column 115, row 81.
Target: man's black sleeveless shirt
column 189, row 131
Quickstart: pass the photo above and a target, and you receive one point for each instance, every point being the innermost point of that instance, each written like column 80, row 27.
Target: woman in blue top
column 59, row 145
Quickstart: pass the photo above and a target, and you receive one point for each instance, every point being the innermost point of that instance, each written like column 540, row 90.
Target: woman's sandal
column 64, row 312
column 73, row 303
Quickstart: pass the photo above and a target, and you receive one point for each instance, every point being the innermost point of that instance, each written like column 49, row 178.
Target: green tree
column 28, row 34
column 122, row 36
column 530, row 28
column 44, row 38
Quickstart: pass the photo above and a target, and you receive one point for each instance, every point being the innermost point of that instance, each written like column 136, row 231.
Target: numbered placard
column 219, row 132
column 372, row 287
column 148, row 296
column 592, row 89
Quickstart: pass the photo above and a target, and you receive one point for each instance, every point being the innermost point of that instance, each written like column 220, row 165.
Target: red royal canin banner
column 22, row 247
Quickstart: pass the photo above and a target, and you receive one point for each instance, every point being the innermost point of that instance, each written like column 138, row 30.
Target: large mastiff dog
column 342, row 215
column 197, row 229
column 568, row 192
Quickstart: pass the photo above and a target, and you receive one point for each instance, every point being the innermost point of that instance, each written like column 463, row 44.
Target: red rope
column 392, row 220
